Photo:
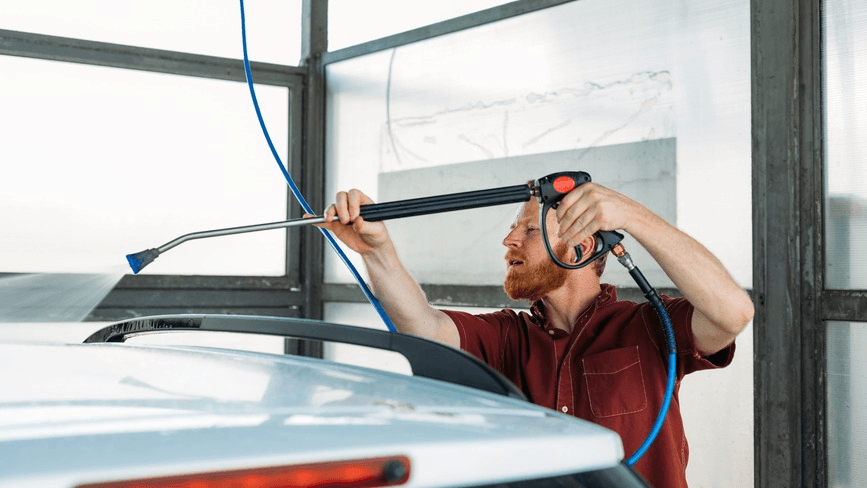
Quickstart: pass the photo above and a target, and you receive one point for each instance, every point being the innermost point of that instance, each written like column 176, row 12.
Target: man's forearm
column 403, row 299
column 696, row 272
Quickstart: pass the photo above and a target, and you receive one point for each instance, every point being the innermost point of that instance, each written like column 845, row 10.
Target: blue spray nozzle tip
column 139, row 260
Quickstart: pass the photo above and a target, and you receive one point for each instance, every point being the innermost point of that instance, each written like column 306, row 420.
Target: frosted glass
column 201, row 27
column 846, row 404
column 845, row 58
column 584, row 83
column 354, row 22
column 97, row 163
column 577, row 79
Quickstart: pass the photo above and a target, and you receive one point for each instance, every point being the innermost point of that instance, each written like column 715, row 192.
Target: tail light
column 357, row 473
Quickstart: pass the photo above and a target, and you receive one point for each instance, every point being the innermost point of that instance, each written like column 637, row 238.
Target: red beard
column 533, row 281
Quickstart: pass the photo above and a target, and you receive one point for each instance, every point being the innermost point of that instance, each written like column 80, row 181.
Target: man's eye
column 532, row 229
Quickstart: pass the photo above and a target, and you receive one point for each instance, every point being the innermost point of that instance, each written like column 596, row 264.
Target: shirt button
column 551, row 331
column 565, row 409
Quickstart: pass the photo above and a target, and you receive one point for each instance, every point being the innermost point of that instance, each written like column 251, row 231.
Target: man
column 579, row 350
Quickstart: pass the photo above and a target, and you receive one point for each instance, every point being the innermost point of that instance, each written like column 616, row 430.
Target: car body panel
column 80, row 413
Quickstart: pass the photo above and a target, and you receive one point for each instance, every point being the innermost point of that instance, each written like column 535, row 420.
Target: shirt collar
column 606, row 296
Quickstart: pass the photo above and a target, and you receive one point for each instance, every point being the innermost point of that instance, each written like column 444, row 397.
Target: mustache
column 515, row 256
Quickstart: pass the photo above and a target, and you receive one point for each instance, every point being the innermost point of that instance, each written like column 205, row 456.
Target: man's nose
column 511, row 239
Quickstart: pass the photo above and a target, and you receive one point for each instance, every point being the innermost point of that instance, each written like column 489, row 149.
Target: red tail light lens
column 357, row 473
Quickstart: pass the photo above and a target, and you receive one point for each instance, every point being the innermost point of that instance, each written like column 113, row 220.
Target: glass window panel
column 846, row 435
column 352, row 22
column 97, row 163
column 199, row 27
column 651, row 98
column 845, row 58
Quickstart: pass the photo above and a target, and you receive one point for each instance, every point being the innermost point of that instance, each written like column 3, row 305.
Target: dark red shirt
column 611, row 369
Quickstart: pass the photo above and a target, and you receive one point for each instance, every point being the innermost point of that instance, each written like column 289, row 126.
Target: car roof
column 107, row 411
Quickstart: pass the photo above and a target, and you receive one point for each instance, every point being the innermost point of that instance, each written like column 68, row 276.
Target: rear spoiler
column 426, row 358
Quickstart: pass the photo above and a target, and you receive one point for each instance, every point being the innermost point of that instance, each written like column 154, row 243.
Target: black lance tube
column 446, row 203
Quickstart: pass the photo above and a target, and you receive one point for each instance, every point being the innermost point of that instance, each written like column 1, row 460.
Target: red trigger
column 564, row 184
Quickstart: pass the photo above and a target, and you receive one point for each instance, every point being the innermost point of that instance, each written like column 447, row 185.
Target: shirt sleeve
column 482, row 335
column 689, row 359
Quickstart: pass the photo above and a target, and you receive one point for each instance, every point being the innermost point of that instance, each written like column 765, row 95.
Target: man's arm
column 399, row 293
column 722, row 308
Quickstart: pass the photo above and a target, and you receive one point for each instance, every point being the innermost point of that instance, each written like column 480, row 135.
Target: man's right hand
column 361, row 236
column 397, row 291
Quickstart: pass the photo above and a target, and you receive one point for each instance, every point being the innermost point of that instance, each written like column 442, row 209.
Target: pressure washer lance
column 549, row 190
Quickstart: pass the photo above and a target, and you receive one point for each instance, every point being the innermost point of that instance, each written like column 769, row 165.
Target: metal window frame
column 793, row 306
column 786, row 111
column 159, row 294
column 456, row 24
column 54, row 48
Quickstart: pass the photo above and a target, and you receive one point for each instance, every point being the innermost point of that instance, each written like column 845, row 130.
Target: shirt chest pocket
column 615, row 385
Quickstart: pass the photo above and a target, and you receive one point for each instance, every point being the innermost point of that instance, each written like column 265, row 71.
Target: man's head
column 530, row 273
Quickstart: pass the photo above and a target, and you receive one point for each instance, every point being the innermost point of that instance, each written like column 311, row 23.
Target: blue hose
column 658, row 305
column 296, row 192
column 666, row 402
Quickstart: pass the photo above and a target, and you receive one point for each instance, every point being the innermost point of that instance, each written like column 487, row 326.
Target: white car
column 127, row 415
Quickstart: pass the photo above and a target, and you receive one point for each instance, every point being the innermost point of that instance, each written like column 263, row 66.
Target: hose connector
column 623, row 257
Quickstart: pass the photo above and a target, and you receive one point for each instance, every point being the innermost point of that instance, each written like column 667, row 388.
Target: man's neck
column 564, row 305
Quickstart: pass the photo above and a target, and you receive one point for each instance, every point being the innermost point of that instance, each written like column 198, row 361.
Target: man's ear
column 588, row 247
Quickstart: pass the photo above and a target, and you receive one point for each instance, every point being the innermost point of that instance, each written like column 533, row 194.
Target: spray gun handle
column 446, row 203
column 550, row 190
